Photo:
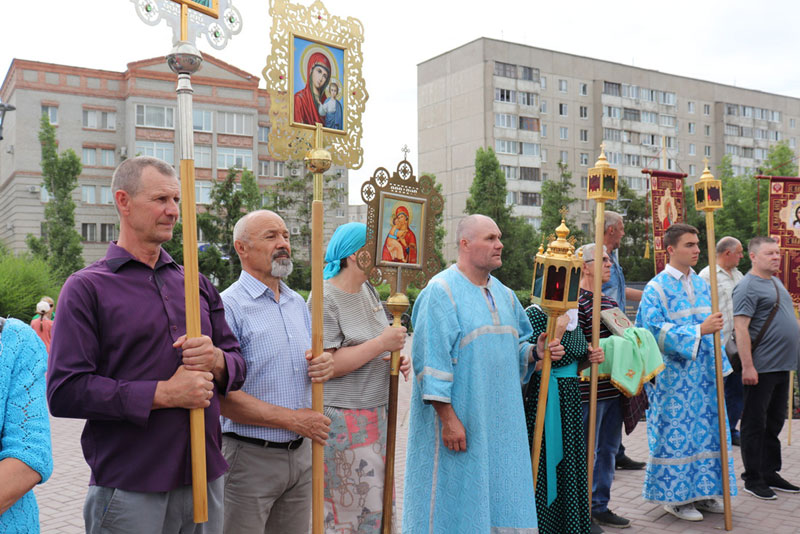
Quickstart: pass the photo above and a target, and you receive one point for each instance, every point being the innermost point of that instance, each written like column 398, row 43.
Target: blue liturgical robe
column 683, row 422
column 469, row 350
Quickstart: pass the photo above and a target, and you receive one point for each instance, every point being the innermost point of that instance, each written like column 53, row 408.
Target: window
column 612, row 134
column 583, row 111
column 563, row 132
column 774, row 135
column 529, row 123
column 650, row 117
column 529, row 173
column 105, row 195
column 562, row 110
column 544, row 160
column 747, row 152
column 509, row 171
column 629, row 136
column 506, row 70
column 732, row 129
column 89, row 232
column 263, row 134
column 668, row 99
column 692, row 150
column 563, row 156
column 51, row 112
column 263, row 168
column 651, row 139
column 530, row 149
column 760, row 133
column 692, row 169
column 747, row 131
column 88, row 194
column 584, row 159
column 89, row 157
column 668, row 120
column 511, row 198
column 731, row 109
column 339, row 213
column 586, row 205
column 505, row 120
column 761, row 154
column 747, row 111
column 792, row 144
column 106, row 157
column 237, row 158
column 528, row 99
column 99, row 120
column 544, row 130
column 775, row 116
column 202, row 156
column 690, row 107
column 706, row 109
column 543, row 82
column 280, row 169
column 202, row 120
column 612, row 112
column 234, row 123
column 504, row 95
column 165, row 151
column 610, row 88
column 707, row 151
column 154, row 116
column 528, row 73
column 631, row 114
column 791, row 123
column 530, row 199
column 108, row 232
column 202, row 191
column 503, row 146
column 634, row 160
column 691, row 127
column 43, row 195
column 583, row 89
column 707, row 130
column 543, row 107
column 614, row 158
column 562, row 86
column 670, row 142
column 584, row 136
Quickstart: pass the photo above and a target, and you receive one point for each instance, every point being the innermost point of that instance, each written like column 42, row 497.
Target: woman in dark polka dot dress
column 569, row 512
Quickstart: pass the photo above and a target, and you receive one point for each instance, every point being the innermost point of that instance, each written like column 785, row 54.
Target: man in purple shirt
column 120, row 360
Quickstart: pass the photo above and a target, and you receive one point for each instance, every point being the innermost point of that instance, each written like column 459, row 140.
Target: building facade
column 106, row 116
column 538, row 107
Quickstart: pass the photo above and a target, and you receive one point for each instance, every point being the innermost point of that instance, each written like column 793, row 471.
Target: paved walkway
column 61, row 498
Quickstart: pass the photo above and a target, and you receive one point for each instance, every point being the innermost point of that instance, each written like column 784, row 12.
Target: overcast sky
column 748, row 44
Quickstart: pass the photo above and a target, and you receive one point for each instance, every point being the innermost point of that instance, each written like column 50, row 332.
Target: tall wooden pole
column 544, row 383
column 599, row 232
column 397, row 304
column 318, row 160
column 185, row 60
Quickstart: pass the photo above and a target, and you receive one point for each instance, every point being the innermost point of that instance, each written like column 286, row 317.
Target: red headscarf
column 305, row 107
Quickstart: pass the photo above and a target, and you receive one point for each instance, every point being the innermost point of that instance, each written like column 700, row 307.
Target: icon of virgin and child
column 400, row 244
column 319, row 101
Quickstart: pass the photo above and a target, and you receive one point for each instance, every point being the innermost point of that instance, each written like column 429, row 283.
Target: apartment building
column 106, row 116
column 538, row 107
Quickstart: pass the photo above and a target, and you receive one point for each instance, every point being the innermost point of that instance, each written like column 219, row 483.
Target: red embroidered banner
column 784, row 227
column 666, row 196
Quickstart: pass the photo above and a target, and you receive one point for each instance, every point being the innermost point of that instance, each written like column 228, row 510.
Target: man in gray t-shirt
column 765, row 371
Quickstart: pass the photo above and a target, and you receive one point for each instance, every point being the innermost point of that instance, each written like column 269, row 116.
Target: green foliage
column 440, row 232
column 300, row 279
column 23, row 281
column 60, row 244
column 488, row 197
column 557, row 194
column 637, row 234
column 524, row 296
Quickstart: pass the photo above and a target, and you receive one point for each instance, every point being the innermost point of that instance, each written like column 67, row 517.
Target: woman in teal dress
column 565, row 510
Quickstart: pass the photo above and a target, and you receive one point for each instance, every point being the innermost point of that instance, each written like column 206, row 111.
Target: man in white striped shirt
column 265, row 426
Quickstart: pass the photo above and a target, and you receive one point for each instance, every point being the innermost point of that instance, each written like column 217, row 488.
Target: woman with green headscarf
column 357, row 333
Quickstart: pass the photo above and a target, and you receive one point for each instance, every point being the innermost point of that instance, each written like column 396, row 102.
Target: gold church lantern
column 708, row 191
column 557, row 274
column 603, row 180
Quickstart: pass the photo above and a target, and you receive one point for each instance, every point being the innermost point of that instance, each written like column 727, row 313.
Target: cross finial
column 705, row 161
column 405, row 150
column 563, row 211
column 603, row 146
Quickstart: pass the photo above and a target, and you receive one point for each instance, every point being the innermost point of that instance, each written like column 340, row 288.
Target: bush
column 524, row 296
column 23, row 281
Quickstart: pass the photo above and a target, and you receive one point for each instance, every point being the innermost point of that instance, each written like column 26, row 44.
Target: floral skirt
column 354, row 470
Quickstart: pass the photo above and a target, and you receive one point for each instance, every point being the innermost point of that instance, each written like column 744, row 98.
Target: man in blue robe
column 468, row 468
column 684, row 470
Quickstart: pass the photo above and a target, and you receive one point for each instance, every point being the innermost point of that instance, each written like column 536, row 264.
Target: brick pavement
column 61, row 498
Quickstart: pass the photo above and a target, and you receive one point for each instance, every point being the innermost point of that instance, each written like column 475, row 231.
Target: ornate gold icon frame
column 290, row 139
column 422, row 203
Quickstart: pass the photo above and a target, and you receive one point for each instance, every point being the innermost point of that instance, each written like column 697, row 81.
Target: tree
column 557, row 194
column 60, row 244
column 488, row 197
column 637, row 233
column 23, row 281
column 439, row 232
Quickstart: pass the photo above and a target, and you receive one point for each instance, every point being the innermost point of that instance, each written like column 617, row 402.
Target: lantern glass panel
column 537, row 284
column 556, row 280
column 700, row 196
column 609, row 183
column 714, row 195
column 574, row 284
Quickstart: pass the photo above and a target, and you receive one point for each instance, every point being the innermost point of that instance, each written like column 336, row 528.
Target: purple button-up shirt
column 117, row 321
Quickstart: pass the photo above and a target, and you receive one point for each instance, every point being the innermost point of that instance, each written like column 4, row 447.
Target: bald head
column 242, row 230
column 729, row 252
column 468, row 227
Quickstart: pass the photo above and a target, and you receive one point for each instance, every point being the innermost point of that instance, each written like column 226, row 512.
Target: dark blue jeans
column 734, row 399
column 607, row 440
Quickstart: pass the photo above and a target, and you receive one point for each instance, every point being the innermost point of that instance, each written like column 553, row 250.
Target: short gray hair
column 588, row 251
column 612, row 219
column 128, row 175
column 727, row 243
column 466, row 227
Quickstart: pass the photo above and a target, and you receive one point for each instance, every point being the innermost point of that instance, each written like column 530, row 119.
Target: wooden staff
column 397, row 304
column 723, row 449
column 544, row 384
column 318, row 164
column 599, row 231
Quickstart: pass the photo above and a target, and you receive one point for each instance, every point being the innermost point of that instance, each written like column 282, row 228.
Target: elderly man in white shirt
column 729, row 254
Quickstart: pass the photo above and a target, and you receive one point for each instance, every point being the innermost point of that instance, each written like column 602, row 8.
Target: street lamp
column 3, row 109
